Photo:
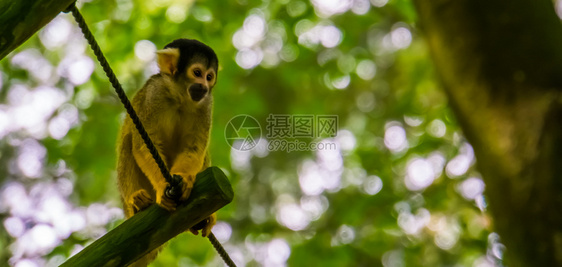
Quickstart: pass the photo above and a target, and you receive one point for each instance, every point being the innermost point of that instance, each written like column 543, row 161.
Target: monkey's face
column 192, row 67
column 201, row 81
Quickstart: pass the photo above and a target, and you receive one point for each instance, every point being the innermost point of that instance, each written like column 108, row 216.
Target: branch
column 154, row 226
column 20, row 19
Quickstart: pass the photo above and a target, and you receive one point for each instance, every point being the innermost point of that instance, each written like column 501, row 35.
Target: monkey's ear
column 168, row 60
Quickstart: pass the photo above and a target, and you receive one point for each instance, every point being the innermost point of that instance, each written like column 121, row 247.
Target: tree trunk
column 500, row 63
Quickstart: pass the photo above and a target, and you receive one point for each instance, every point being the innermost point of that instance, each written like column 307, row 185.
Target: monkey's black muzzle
column 197, row 91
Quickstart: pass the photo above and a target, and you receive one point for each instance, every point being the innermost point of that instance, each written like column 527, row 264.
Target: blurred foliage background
column 399, row 188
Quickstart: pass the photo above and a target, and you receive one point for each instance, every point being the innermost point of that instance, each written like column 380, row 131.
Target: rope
column 122, row 96
column 174, row 181
column 220, row 250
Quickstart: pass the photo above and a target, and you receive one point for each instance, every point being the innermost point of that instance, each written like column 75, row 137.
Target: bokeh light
column 395, row 138
column 145, row 50
column 419, row 174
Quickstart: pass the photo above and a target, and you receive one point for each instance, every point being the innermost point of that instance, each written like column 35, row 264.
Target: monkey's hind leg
column 140, row 200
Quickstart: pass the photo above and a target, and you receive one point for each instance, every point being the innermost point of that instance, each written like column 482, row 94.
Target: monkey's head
column 191, row 64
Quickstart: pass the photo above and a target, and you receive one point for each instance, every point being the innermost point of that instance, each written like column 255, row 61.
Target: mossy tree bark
column 20, row 19
column 500, row 63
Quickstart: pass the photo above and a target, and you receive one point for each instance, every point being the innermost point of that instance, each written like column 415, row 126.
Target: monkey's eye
column 197, row 73
column 209, row 77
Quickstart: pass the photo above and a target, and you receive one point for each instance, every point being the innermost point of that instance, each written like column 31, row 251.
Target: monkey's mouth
column 197, row 92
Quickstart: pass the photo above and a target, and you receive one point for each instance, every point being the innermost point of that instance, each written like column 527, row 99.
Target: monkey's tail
column 146, row 259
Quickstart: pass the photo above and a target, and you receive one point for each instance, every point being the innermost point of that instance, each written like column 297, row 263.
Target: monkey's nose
column 197, row 91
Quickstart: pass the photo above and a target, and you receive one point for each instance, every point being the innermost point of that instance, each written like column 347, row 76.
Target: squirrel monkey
column 175, row 108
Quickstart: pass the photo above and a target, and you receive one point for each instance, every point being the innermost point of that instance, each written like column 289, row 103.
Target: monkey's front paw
column 168, row 203
column 205, row 226
column 169, row 196
column 140, row 200
column 187, row 186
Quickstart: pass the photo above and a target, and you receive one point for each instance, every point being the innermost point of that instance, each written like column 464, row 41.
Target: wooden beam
column 154, row 226
column 20, row 19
